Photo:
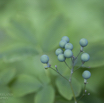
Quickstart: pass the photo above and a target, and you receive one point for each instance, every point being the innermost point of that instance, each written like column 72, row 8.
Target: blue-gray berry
column 83, row 42
column 85, row 57
column 65, row 38
column 61, row 57
column 68, row 46
column 44, row 59
column 68, row 53
column 58, row 51
column 86, row 74
column 62, row 43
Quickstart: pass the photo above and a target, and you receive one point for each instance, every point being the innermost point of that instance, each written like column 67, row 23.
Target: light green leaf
column 5, row 93
column 22, row 31
column 25, row 99
column 64, row 88
column 4, row 89
column 60, row 99
column 54, row 33
column 45, row 95
column 16, row 52
column 25, row 84
column 6, row 76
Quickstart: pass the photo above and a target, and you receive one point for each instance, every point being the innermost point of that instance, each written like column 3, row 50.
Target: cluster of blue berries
column 62, row 55
column 65, row 51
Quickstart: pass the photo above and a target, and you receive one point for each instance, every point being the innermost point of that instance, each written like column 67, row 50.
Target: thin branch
column 78, row 67
column 77, row 55
column 83, row 92
column 68, row 81
column 67, row 65
column 59, row 74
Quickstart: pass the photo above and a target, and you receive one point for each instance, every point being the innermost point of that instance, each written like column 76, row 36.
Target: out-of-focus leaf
column 59, row 99
column 25, row 84
column 65, row 89
column 4, row 89
column 6, row 76
column 31, row 65
column 17, row 52
column 26, row 99
column 23, row 32
column 45, row 95
column 15, row 100
column 5, row 93
column 92, row 98
column 54, row 34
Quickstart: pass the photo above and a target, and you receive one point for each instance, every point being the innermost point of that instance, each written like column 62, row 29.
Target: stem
column 78, row 55
column 60, row 74
column 83, row 92
column 69, row 83
column 73, row 92
column 78, row 67
column 70, row 79
column 67, row 65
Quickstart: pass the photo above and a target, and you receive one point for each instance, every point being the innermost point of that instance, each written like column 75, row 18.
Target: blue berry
column 86, row 74
column 68, row 46
column 85, row 57
column 62, row 43
column 65, row 38
column 58, row 51
column 83, row 42
column 44, row 59
column 68, row 53
column 61, row 57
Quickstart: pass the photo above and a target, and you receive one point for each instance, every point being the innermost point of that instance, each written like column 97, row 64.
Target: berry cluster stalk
column 70, row 79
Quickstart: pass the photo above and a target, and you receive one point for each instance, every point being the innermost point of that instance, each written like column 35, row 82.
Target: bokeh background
column 31, row 28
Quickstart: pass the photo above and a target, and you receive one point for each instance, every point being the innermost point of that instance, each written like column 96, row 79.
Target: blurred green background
column 31, row 28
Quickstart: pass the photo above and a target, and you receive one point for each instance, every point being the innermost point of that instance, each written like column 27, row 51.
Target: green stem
column 67, row 65
column 70, row 80
column 77, row 55
column 73, row 92
column 83, row 92
column 60, row 74
column 78, row 67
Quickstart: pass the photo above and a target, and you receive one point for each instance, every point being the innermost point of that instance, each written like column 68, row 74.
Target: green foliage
column 65, row 89
column 25, row 84
column 29, row 29
column 45, row 95
column 6, row 76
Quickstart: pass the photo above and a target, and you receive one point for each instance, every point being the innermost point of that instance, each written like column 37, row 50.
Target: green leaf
column 5, row 93
column 92, row 98
column 60, row 99
column 16, row 52
column 4, row 89
column 65, row 89
column 54, row 33
column 26, row 99
column 45, row 95
column 25, row 84
column 6, row 76
column 23, row 31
